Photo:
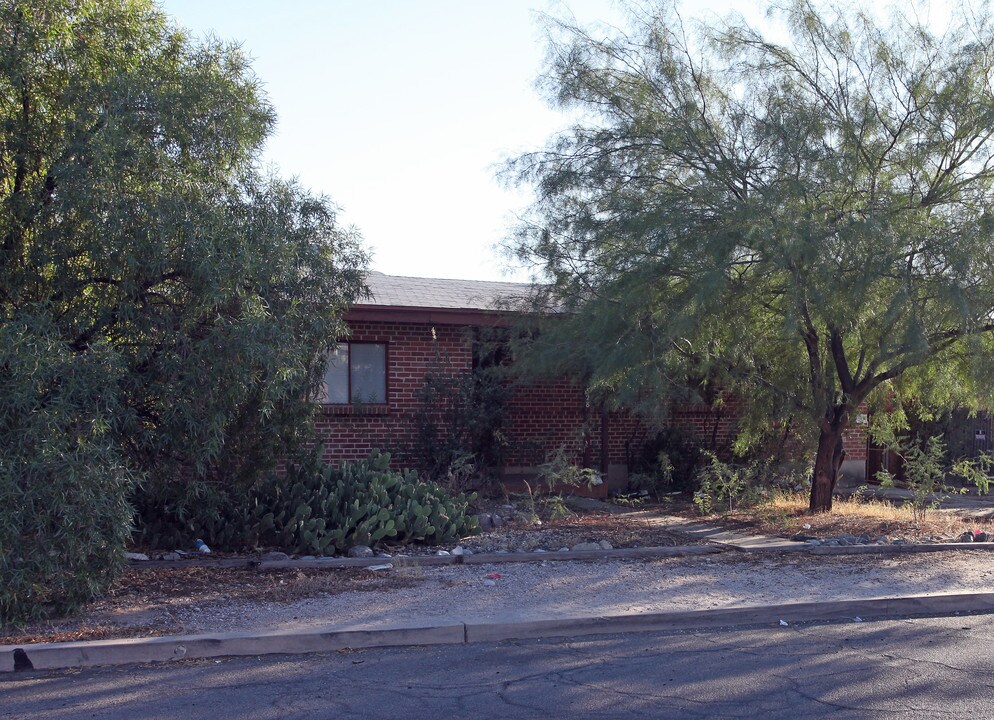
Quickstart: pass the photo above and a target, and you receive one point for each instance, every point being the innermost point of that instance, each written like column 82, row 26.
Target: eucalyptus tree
column 800, row 216
column 164, row 304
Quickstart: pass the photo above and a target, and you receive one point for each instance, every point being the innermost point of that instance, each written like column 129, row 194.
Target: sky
column 401, row 111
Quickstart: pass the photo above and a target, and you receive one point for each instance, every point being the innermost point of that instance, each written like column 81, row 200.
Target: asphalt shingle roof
column 400, row 291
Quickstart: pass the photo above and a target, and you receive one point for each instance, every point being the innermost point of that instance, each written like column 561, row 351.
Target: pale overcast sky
column 398, row 110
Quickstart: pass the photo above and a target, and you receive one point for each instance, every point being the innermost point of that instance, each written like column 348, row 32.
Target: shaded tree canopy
column 137, row 231
column 799, row 221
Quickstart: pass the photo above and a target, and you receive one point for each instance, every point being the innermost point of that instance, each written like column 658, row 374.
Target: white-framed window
column 356, row 373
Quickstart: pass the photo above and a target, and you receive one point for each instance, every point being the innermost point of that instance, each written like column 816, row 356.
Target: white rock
column 384, row 566
column 489, row 583
column 581, row 547
column 442, row 552
column 135, row 556
column 605, row 545
column 458, row 550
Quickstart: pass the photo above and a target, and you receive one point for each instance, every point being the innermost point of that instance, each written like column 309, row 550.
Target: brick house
column 371, row 390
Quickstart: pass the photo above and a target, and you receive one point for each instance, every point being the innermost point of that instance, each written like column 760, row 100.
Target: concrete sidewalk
column 465, row 603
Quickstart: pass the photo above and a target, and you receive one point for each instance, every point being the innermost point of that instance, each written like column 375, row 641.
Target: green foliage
column 927, row 467
column 64, row 516
column 978, row 471
column 795, row 222
column 719, row 482
column 315, row 509
column 138, row 239
column 924, row 472
column 559, row 470
column 458, row 421
column 133, row 215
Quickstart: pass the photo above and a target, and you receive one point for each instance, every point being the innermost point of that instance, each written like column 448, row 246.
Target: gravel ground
column 526, row 591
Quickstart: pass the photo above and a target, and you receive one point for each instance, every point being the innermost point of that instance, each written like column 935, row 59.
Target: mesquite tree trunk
column 828, row 459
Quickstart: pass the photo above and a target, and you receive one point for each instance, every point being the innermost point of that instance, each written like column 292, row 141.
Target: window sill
column 356, row 410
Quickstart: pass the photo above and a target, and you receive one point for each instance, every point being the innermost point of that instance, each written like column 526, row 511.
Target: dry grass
column 786, row 514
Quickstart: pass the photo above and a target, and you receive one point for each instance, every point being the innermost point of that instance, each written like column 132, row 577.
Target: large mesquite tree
column 164, row 305
column 801, row 222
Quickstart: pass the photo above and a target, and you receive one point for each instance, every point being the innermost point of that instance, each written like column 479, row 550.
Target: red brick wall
column 351, row 432
column 539, row 417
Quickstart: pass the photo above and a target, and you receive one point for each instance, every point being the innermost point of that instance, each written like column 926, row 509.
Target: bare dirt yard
column 145, row 602
column 175, row 600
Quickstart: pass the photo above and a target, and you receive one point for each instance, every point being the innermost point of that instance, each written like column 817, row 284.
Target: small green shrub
column 317, row 508
column 720, row 482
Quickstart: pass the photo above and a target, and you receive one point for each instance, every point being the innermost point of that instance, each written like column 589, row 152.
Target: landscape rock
column 605, row 545
column 485, row 521
column 580, row 547
column 497, row 520
column 275, row 556
column 882, row 540
column 489, row 583
column 564, row 549
column 135, row 556
column 966, row 537
column 361, row 551
column 168, row 556
column 442, row 552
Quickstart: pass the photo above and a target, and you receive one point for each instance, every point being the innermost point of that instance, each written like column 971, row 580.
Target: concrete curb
column 54, row 656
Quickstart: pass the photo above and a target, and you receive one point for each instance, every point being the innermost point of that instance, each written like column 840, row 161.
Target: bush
column 64, row 516
column 314, row 509
column 458, row 421
column 720, row 482
column 668, row 462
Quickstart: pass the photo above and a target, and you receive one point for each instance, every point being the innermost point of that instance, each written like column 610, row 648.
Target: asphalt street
column 925, row 668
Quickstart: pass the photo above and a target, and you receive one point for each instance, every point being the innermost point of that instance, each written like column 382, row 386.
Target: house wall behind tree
column 539, row 416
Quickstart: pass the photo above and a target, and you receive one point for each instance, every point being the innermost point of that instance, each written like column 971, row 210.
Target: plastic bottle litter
column 201, row 546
